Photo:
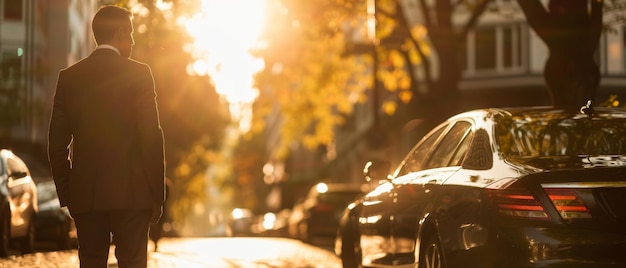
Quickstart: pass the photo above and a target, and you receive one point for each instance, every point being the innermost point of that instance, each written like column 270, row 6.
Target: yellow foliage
column 182, row 170
column 405, row 96
column 415, row 57
column 404, row 81
column 396, row 59
column 419, row 32
column 389, row 107
column 317, row 83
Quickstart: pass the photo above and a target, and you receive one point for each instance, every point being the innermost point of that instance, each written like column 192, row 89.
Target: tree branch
column 478, row 11
column 536, row 15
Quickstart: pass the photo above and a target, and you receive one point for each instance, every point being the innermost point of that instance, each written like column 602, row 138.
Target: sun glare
column 223, row 33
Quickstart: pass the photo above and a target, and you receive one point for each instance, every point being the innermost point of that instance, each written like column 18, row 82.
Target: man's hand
column 157, row 212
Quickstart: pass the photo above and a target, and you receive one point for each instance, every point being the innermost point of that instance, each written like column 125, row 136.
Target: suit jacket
column 105, row 143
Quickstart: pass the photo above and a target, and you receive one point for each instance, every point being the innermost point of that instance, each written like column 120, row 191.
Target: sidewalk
column 202, row 252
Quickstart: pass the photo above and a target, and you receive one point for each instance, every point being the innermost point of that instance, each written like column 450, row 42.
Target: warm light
column 321, row 187
column 223, row 34
column 162, row 5
column 238, row 213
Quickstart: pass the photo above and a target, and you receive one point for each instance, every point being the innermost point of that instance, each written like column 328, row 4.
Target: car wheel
column 28, row 243
column 431, row 255
column 5, row 235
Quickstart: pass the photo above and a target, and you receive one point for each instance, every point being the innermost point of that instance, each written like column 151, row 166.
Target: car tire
column 27, row 244
column 5, row 235
column 431, row 255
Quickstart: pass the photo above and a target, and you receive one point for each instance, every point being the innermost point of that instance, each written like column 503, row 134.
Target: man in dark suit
column 105, row 146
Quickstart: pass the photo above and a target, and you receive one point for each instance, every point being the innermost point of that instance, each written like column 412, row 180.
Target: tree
column 571, row 29
column 306, row 77
column 313, row 79
column 447, row 39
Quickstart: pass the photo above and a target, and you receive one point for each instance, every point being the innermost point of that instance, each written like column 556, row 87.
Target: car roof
column 541, row 110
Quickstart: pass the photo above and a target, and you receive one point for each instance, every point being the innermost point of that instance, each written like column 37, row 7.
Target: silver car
column 18, row 204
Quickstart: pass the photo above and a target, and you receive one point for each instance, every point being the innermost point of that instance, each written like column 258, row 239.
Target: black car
column 518, row 187
column 54, row 222
column 317, row 216
column 18, row 204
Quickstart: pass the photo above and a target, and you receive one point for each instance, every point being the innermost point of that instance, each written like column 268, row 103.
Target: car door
column 414, row 194
column 378, row 207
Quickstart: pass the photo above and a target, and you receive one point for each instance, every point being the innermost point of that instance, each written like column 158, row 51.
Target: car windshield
column 542, row 135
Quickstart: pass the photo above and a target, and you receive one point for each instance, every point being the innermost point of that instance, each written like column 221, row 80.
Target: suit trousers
column 126, row 229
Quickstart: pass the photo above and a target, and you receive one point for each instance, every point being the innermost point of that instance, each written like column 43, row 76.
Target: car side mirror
column 376, row 170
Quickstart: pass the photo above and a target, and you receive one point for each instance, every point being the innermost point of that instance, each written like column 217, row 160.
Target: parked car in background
column 317, row 216
column 271, row 224
column 519, row 187
column 54, row 222
column 240, row 222
column 18, row 204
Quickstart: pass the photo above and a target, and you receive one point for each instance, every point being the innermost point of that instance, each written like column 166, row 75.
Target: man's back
column 108, row 103
column 105, row 146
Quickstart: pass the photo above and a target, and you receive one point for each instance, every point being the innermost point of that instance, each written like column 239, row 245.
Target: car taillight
column 568, row 203
column 322, row 208
column 518, row 203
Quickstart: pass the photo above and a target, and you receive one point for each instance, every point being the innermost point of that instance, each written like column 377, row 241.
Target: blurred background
column 260, row 100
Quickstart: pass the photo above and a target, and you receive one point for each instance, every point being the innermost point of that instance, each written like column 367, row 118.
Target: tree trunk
column 572, row 32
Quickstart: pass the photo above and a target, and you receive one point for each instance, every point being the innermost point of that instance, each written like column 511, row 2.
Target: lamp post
column 376, row 135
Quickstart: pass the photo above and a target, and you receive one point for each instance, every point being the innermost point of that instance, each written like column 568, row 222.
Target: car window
column 447, row 147
column 418, row 155
column 461, row 151
column 560, row 136
column 480, row 156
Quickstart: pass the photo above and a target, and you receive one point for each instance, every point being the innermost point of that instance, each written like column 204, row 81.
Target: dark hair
column 107, row 21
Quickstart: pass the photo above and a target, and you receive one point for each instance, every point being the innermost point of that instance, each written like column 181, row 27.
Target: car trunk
column 591, row 198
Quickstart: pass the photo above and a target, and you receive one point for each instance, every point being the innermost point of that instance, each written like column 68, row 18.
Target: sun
column 223, row 34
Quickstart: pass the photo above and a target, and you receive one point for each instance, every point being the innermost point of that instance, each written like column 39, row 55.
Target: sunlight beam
column 223, row 33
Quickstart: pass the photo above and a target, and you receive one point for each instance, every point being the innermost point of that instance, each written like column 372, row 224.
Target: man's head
column 113, row 25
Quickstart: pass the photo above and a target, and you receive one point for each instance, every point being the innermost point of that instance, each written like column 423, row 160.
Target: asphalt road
column 223, row 252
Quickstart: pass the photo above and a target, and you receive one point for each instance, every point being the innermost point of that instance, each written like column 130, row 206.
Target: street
column 222, row 252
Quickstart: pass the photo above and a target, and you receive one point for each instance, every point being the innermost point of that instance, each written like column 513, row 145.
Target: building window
column 485, row 49
column 11, row 74
column 494, row 50
column 13, row 9
column 11, row 87
column 624, row 47
column 511, row 52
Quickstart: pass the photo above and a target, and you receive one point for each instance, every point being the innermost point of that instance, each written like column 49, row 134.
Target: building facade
column 37, row 39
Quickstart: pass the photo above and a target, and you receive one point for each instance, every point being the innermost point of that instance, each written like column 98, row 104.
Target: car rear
column 568, row 207
column 567, row 218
